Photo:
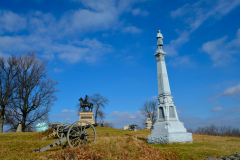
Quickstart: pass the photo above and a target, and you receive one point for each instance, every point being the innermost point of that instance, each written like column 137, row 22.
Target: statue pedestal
column 86, row 116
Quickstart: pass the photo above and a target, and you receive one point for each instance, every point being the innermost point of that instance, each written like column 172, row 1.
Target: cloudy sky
column 107, row 47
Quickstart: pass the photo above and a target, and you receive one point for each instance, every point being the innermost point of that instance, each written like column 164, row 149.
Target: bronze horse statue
column 85, row 104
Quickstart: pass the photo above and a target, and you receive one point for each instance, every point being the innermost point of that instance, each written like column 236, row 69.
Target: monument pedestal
column 86, row 116
column 169, row 132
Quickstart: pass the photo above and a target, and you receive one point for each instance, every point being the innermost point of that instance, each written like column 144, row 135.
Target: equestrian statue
column 84, row 104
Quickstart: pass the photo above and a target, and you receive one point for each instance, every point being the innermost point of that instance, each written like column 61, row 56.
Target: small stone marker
column 125, row 128
column 19, row 128
column 148, row 123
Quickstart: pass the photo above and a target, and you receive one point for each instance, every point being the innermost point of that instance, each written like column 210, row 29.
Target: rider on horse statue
column 84, row 104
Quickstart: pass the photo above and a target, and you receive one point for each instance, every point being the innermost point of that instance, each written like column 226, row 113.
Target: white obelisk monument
column 167, row 128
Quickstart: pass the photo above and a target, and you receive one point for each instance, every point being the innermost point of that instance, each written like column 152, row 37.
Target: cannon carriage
column 76, row 134
column 132, row 127
column 57, row 128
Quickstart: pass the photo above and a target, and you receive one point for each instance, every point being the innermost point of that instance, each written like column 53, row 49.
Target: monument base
column 86, row 116
column 170, row 138
column 169, row 132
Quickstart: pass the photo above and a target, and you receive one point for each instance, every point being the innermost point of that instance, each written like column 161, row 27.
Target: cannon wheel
column 61, row 127
column 78, row 134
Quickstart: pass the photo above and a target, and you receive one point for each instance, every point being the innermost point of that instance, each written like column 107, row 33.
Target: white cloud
column 232, row 91
column 138, row 11
column 11, row 22
column 5, row 56
column 154, row 97
column 64, row 111
column 125, row 118
column 221, row 51
column 171, row 49
column 131, row 29
column 216, row 109
column 72, row 111
column 194, row 15
column 182, row 61
column 57, row 70
column 86, row 20
column 68, row 119
column 202, row 10
column 178, row 111
column 87, row 50
column 233, row 110
column 102, row 15
column 66, row 114
column 48, row 34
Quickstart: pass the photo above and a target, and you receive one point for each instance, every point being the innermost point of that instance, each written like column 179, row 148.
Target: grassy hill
column 117, row 144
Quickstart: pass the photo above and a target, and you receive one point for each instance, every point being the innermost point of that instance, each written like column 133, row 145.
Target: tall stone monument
column 167, row 128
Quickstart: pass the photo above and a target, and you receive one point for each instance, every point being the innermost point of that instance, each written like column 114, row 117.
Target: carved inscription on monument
column 86, row 117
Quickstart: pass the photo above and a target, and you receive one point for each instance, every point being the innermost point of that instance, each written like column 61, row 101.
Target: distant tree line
column 215, row 130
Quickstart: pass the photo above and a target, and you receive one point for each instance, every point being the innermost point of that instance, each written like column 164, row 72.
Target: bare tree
column 99, row 102
column 9, row 69
column 149, row 110
column 36, row 92
column 106, row 124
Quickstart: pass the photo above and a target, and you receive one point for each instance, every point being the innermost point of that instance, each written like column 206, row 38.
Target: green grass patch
column 116, row 144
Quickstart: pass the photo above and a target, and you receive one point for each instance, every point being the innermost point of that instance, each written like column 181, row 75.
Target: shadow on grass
column 142, row 139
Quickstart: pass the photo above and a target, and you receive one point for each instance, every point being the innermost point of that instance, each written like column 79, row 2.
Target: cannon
column 60, row 128
column 132, row 127
column 57, row 128
column 54, row 127
column 76, row 134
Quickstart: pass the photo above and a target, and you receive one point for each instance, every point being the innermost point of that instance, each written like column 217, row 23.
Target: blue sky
column 107, row 47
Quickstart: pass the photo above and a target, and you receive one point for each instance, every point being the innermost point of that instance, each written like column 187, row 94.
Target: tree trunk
column 24, row 122
column 96, row 115
column 1, row 118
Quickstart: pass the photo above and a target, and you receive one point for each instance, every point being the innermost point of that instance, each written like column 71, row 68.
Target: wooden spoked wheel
column 61, row 127
column 81, row 133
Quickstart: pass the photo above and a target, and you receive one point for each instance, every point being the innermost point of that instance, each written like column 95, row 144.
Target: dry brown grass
column 117, row 144
column 128, row 148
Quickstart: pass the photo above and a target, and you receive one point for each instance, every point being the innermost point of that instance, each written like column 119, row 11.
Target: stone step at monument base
column 184, row 137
